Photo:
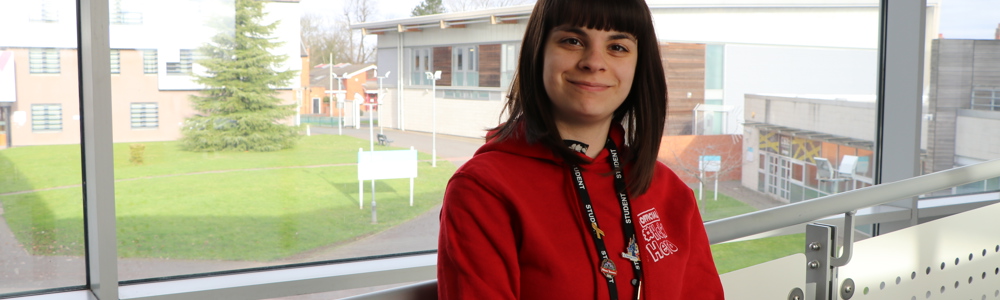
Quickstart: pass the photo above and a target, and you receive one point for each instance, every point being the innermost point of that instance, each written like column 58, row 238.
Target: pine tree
column 238, row 109
column 428, row 7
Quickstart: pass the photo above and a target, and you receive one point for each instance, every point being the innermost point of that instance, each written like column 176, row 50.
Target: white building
column 745, row 46
column 153, row 49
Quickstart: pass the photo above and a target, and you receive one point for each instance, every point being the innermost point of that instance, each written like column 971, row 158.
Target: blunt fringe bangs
column 643, row 112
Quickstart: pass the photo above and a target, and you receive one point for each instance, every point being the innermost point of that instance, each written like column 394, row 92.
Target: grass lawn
column 737, row 255
column 226, row 205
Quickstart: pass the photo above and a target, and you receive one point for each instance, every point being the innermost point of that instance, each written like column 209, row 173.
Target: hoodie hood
column 519, row 145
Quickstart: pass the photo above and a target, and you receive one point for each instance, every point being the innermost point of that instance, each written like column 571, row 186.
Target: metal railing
column 810, row 210
column 781, row 217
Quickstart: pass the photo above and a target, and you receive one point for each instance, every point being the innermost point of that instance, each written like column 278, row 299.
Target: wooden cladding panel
column 684, row 66
column 489, row 65
column 442, row 61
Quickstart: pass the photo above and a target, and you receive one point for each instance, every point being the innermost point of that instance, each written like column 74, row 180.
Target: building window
column 43, row 61
column 420, row 63
column 149, row 61
column 46, row 117
column 509, row 63
column 986, row 98
column 184, row 66
column 124, row 13
column 465, row 66
column 116, row 61
column 145, row 115
column 45, row 11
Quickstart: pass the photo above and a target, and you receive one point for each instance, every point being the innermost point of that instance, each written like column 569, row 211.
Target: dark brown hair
column 642, row 113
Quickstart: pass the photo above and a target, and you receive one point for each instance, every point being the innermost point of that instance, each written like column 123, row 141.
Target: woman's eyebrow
column 579, row 31
column 622, row 36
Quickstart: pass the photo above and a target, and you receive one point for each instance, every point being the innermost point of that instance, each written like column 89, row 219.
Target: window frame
column 184, row 66
column 44, row 61
column 144, row 115
column 900, row 52
column 150, row 61
column 48, row 108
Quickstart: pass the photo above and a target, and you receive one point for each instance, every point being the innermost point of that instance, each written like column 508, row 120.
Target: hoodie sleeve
column 701, row 280
column 477, row 246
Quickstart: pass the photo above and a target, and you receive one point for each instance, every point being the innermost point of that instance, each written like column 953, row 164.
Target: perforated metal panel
column 957, row 257
column 771, row 280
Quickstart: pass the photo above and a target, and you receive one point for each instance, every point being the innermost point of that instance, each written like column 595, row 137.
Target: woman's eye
column 619, row 48
column 572, row 41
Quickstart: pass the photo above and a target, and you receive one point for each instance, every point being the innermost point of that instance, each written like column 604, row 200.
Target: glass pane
column 214, row 179
column 41, row 201
column 789, row 109
column 775, row 102
column 962, row 107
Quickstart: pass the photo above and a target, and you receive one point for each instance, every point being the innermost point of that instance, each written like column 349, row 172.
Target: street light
column 340, row 91
column 434, row 77
column 379, row 99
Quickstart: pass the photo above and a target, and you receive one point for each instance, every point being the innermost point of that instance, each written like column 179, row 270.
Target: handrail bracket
column 823, row 259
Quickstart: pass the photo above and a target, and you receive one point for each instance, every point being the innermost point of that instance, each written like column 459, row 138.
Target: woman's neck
column 593, row 134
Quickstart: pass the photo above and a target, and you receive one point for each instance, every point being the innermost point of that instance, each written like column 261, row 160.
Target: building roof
column 814, row 135
column 319, row 76
column 513, row 14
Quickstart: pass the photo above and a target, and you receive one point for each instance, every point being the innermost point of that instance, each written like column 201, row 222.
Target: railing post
column 820, row 280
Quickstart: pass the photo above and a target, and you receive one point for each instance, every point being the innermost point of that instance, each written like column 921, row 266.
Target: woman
column 566, row 199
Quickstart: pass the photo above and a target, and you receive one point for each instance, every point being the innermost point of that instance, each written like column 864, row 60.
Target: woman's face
column 588, row 73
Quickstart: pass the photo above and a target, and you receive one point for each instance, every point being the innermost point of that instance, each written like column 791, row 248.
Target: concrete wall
column 468, row 118
column 839, row 117
column 958, row 66
column 976, row 136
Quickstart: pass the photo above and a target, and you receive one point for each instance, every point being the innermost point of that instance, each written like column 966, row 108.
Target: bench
column 383, row 140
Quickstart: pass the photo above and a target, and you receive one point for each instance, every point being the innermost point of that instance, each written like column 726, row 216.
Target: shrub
column 136, row 153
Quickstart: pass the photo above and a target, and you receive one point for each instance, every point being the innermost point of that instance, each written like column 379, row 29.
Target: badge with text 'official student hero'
column 608, row 268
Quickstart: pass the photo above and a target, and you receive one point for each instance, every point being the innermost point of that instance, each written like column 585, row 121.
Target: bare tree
column 467, row 5
column 687, row 162
column 324, row 36
column 359, row 11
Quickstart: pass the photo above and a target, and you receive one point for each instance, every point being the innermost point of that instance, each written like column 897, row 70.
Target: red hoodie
column 511, row 228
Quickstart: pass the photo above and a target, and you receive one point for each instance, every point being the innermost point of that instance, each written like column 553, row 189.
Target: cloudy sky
column 960, row 19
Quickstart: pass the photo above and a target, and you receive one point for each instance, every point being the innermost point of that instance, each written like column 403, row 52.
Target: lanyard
column 607, row 266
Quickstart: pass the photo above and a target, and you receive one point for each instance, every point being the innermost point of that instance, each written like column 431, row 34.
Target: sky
column 969, row 19
column 384, row 9
column 960, row 19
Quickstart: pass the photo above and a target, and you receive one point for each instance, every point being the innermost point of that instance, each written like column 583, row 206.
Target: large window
column 125, row 12
column 200, row 213
column 465, row 66
column 963, row 103
column 44, row 11
column 144, row 115
column 43, row 61
column 419, row 62
column 182, row 67
column 508, row 64
column 116, row 61
column 46, row 117
column 149, row 61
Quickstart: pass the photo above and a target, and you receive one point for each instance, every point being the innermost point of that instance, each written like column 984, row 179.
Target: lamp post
column 340, row 98
column 434, row 77
column 379, row 99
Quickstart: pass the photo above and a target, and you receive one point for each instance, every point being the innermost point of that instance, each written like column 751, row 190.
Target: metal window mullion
column 900, row 91
column 96, row 144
